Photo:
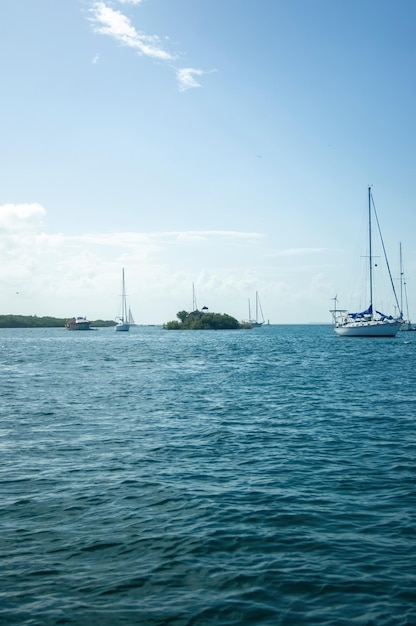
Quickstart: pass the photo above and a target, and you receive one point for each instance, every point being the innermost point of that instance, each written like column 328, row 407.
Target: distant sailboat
column 122, row 320
column 194, row 304
column 259, row 319
column 368, row 323
column 131, row 318
column 406, row 324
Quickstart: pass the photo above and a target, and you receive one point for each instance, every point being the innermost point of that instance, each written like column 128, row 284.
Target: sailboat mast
column 401, row 282
column 370, row 251
column 257, row 307
column 123, row 305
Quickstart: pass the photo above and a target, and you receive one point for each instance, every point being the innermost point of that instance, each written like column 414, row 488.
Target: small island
column 201, row 320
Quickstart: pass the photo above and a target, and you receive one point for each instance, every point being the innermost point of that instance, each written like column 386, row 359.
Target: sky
column 224, row 144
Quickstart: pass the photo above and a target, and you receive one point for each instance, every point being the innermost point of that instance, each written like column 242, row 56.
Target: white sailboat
column 131, row 318
column 259, row 319
column 368, row 323
column 194, row 304
column 122, row 320
column 406, row 323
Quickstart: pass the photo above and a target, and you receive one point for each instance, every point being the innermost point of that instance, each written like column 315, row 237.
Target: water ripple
column 226, row 478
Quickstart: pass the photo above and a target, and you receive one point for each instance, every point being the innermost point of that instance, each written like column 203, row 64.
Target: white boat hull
column 368, row 329
column 407, row 326
column 122, row 327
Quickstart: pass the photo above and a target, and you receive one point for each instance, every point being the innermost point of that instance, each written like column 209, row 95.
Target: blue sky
column 227, row 144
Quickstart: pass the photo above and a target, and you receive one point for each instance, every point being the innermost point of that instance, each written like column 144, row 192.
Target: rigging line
column 385, row 253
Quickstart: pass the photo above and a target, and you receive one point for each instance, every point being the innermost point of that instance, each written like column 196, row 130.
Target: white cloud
column 116, row 25
column 186, row 78
column 96, row 59
column 21, row 217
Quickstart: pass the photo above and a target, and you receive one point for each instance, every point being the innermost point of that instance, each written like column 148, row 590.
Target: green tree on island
column 197, row 320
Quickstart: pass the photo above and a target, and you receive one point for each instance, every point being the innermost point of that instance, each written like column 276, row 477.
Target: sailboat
column 122, row 320
column 130, row 318
column 194, row 304
column 257, row 321
column 368, row 323
column 406, row 323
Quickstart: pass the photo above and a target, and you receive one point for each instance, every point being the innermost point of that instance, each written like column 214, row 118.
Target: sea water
column 263, row 476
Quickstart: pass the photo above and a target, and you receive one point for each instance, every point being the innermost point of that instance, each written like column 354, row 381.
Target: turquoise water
column 200, row 478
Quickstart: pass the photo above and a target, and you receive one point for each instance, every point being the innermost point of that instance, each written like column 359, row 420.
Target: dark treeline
column 33, row 321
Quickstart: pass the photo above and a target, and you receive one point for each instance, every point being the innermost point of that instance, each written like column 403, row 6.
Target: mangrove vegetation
column 199, row 320
column 33, row 321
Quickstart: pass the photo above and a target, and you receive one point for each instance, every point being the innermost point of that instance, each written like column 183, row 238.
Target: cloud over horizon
column 48, row 273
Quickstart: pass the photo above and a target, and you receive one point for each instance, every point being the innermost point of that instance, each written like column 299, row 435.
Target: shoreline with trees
column 33, row 321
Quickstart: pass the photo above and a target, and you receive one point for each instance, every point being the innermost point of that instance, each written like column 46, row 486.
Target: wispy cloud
column 96, row 59
column 186, row 78
column 118, row 26
column 133, row 239
column 30, row 217
column 115, row 24
column 298, row 252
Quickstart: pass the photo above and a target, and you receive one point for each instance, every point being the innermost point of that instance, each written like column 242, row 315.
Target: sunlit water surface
column 200, row 478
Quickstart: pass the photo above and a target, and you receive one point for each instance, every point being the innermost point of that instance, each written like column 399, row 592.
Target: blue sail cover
column 385, row 317
column 368, row 311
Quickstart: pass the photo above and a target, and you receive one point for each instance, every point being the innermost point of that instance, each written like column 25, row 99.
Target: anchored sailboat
column 368, row 323
column 122, row 320
column 259, row 319
column 194, row 304
column 131, row 318
column 406, row 324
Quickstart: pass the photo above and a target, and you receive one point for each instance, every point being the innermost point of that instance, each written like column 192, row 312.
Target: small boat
column 370, row 322
column 78, row 323
column 123, row 320
column 407, row 325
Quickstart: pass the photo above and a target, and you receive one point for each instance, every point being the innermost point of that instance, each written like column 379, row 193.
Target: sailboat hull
column 368, row 329
column 122, row 327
